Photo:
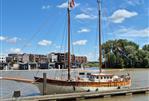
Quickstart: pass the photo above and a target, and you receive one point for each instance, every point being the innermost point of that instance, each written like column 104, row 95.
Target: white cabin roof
column 102, row 74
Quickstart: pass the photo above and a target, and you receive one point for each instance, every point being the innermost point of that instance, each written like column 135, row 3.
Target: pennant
column 71, row 3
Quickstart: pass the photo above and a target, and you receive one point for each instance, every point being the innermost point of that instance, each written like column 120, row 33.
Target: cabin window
column 97, row 77
column 107, row 77
column 88, row 76
column 110, row 77
column 88, row 73
column 101, row 77
column 81, row 73
column 104, row 77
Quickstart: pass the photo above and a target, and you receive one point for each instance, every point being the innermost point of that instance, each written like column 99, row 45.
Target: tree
column 146, row 47
column 123, row 53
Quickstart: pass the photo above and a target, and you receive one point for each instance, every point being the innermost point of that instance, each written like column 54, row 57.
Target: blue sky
column 40, row 26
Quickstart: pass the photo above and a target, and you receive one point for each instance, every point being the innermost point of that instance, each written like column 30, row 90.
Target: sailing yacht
column 84, row 81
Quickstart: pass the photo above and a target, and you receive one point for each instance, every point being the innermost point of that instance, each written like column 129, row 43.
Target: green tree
column 122, row 53
column 146, row 47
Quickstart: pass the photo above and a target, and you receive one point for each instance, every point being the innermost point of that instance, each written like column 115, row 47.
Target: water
column 140, row 78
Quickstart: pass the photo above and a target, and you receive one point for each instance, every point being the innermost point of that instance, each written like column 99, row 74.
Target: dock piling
column 16, row 94
column 44, row 83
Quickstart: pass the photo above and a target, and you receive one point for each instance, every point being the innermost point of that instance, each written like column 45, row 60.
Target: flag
column 71, row 3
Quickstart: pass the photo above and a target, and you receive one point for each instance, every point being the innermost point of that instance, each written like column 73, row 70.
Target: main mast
column 68, row 14
column 99, row 28
column 71, row 4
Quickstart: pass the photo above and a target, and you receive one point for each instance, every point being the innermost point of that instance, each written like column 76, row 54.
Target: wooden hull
column 59, row 86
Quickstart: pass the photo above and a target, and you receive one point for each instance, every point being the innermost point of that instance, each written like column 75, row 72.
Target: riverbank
column 126, row 69
column 84, row 69
column 96, row 64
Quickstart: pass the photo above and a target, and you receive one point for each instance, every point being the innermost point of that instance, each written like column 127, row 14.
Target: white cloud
column 77, row 4
column 2, row 38
column 65, row 5
column 121, row 14
column 46, row 7
column 84, row 30
column 15, row 50
column 129, row 32
column 44, row 43
column 87, row 10
column 80, row 42
column 13, row 40
column 85, row 16
column 87, row 13
column 134, row 2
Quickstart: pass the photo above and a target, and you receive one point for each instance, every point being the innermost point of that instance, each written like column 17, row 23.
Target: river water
column 140, row 78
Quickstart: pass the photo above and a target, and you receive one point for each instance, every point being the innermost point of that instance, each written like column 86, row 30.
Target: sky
column 40, row 26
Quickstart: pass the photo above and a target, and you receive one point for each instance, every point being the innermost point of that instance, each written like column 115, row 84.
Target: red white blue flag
column 71, row 3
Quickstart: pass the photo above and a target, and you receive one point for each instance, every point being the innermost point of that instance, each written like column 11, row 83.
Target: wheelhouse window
column 81, row 73
column 88, row 73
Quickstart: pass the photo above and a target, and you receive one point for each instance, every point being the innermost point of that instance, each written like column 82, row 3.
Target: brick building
column 81, row 59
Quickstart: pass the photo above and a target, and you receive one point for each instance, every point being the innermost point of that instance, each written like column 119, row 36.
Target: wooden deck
column 82, row 95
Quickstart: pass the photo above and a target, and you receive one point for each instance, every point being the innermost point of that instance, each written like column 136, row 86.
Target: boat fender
column 88, row 90
column 118, row 87
column 74, row 88
column 78, row 78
